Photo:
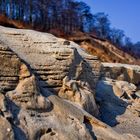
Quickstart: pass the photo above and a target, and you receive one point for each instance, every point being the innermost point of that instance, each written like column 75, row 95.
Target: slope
column 105, row 50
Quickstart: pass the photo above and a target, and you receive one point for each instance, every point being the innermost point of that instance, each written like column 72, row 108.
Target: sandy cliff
column 51, row 89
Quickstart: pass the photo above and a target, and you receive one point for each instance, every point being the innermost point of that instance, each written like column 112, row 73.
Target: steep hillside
column 106, row 51
column 103, row 49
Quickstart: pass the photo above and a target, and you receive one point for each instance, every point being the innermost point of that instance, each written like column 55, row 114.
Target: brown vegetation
column 106, row 51
column 4, row 21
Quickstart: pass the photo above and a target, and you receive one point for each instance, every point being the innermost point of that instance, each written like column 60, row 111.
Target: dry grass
column 4, row 21
column 104, row 50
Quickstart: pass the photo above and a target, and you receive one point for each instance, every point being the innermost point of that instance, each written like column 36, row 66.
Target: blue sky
column 123, row 14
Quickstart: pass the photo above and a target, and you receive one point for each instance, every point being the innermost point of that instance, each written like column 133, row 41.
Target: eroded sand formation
column 50, row 89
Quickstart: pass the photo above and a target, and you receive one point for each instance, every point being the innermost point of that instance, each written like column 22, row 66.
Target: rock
column 118, row 107
column 124, row 89
column 2, row 103
column 66, row 43
column 33, row 66
column 11, row 69
column 137, row 94
column 110, row 103
column 79, row 93
column 6, row 132
column 120, row 89
column 4, row 110
column 123, row 72
column 27, row 95
column 64, row 60
column 24, row 72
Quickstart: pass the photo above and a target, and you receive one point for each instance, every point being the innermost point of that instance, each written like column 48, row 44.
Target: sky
column 123, row 14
